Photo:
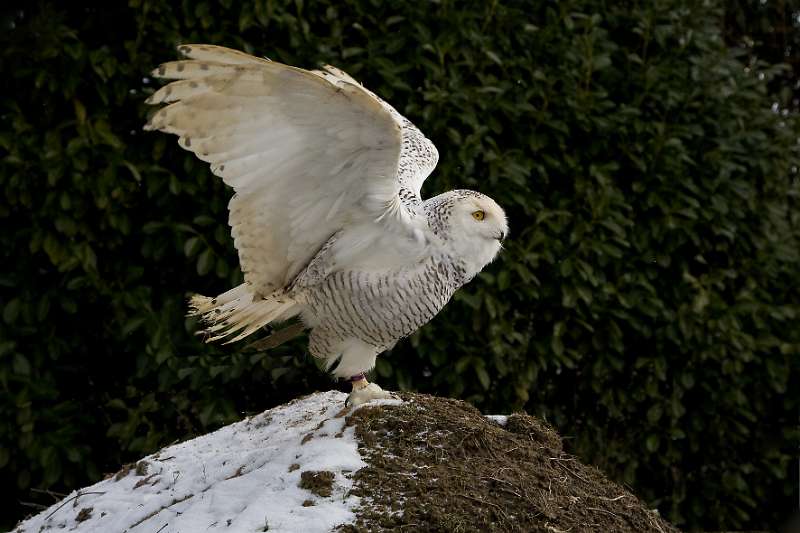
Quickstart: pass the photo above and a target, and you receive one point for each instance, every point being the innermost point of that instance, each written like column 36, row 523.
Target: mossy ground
column 436, row 464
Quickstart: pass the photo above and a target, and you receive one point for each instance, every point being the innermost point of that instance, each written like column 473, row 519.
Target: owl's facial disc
column 488, row 219
column 478, row 226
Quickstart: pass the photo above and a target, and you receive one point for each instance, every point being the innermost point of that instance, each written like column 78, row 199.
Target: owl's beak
column 500, row 236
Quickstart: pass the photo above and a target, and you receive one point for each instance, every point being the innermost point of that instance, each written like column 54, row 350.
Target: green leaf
column 483, row 377
column 462, row 364
column 22, row 366
column 11, row 311
column 192, row 246
column 204, row 220
column 80, row 111
column 654, row 413
column 6, row 347
column 652, row 443
column 185, row 372
column 134, row 171
column 205, row 262
column 132, row 325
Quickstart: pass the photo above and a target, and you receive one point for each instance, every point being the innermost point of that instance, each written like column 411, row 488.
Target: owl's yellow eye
column 478, row 215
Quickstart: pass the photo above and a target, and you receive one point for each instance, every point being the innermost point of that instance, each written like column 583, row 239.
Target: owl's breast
column 383, row 307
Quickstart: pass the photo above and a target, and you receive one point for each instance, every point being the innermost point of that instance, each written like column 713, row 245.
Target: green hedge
column 647, row 303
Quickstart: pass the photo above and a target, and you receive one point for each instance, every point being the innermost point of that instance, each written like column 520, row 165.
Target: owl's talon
column 367, row 393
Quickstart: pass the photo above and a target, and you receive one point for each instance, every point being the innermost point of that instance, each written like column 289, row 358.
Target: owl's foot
column 363, row 391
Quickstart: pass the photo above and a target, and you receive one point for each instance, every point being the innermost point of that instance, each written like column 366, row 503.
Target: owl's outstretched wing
column 307, row 154
column 418, row 155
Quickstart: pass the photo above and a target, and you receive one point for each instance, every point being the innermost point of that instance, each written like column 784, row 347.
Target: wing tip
column 186, row 49
column 160, row 71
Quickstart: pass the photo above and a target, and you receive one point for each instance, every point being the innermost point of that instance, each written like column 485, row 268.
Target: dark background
column 647, row 303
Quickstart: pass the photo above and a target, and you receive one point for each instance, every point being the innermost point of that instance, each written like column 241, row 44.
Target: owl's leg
column 364, row 391
column 350, row 357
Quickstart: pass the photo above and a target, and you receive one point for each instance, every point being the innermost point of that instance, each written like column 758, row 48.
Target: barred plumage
column 378, row 308
column 327, row 216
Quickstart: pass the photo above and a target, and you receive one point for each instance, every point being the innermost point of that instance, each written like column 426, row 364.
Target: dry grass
column 439, row 465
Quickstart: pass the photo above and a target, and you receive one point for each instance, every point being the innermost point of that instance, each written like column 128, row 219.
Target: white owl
column 326, row 216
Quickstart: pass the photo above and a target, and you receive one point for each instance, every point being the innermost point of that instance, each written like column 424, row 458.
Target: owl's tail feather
column 240, row 311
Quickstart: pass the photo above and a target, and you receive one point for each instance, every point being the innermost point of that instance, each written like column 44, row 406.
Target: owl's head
column 471, row 224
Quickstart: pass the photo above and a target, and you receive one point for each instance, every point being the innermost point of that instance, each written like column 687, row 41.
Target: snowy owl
column 327, row 216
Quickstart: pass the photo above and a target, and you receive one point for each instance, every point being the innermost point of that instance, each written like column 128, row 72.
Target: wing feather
column 306, row 154
column 418, row 155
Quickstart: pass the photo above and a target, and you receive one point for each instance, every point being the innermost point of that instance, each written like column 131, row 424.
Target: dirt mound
column 436, row 464
column 313, row 466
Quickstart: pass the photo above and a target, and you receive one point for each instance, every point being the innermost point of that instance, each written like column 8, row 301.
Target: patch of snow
column 242, row 478
column 501, row 420
column 386, row 401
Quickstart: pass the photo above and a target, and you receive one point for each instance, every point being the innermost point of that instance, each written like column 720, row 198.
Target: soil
column 319, row 483
column 436, row 464
column 84, row 514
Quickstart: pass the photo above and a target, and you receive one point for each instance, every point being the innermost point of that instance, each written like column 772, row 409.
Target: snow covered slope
column 423, row 464
column 246, row 477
